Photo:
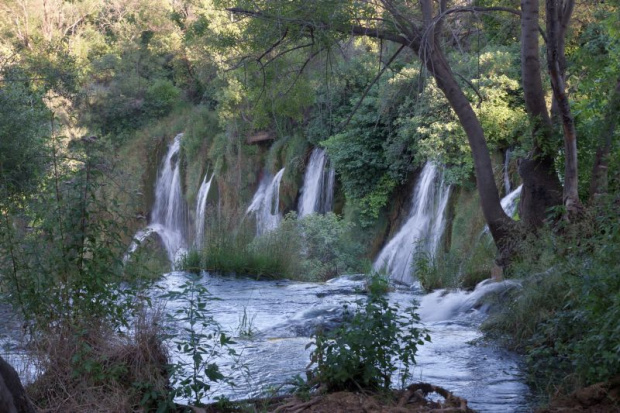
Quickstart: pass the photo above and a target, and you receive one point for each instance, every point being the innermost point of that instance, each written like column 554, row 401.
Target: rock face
column 12, row 395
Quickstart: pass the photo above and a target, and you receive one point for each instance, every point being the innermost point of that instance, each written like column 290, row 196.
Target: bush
column 200, row 340
column 368, row 349
column 435, row 272
column 315, row 248
column 328, row 247
column 190, row 262
column 567, row 318
column 161, row 97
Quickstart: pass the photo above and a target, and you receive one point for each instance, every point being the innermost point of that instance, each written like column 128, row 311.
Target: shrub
column 200, row 341
column 315, row 248
column 567, row 317
column 436, row 272
column 368, row 349
column 190, row 262
column 328, row 248
column 161, row 97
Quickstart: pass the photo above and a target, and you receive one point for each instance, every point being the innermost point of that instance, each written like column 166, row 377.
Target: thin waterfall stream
column 423, row 229
column 317, row 194
column 169, row 214
column 201, row 206
column 265, row 204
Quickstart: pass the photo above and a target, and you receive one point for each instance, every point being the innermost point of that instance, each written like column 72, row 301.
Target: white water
column 442, row 305
column 510, row 201
column 266, row 203
column 201, row 204
column 317, row 193
column 169, row 214
column 282, row 315
column 423, row 229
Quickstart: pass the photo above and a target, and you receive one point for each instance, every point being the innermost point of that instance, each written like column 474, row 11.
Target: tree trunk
column 541, row 186
column 555, row 16
column 598, row 181
column 12, row 394
column 499, row 223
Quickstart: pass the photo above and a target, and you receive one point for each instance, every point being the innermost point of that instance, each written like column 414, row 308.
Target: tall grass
column 315, row 248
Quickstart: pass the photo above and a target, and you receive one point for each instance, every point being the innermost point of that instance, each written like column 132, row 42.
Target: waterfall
column 201, row 203
column 509, row 202
column 506, row 174
column 423, row 229
column 169, row 214
column 266, row 202
column 317, row 193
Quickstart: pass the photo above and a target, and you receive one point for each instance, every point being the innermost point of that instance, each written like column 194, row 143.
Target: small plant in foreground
column 200, row 341
column 366, row 351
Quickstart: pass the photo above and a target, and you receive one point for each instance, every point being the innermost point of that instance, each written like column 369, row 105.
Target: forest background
column 91, row 92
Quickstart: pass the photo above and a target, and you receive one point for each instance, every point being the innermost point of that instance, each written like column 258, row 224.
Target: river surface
column 283, row 314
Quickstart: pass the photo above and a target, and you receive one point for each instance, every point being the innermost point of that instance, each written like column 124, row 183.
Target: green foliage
column 64, row 249
column 567, row 316
column 60, row 264
column 315, row 248
column 23, row 128
column 161, row 96
column 435, row 272
column 328, row 248
column 200, row 342
column 370, row 156
column 368, row 348
column 190, row 262
column 377, row 284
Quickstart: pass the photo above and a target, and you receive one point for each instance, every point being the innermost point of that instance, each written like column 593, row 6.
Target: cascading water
column 284, row 315
column 423, row 229
column 509, row 202
column 266, row 203
column 317, row 193
column 201, row 204
column 169, row 214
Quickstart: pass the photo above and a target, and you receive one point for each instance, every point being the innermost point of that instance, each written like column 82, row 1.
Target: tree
column 23, row 128
column 422, row 27
column 419, row 29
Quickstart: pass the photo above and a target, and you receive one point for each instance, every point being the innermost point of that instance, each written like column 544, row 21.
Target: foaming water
column 423, row 229
column 265, row 204
column 317, row 192
column 283, row 315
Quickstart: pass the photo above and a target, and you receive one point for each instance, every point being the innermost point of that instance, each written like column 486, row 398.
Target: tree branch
column 359, row 102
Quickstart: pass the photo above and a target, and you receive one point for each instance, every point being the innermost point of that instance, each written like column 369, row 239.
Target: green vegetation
column 566, row 318
column 315, row 248
column 91, row 92
column 368, row 349
column 200, row 343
